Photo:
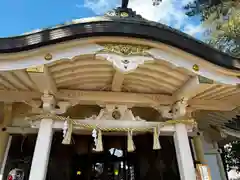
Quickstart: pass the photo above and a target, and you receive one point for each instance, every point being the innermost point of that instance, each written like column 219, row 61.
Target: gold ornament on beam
column 195, row 67
column 126, row 49
column 36, row 69
column 48, row 57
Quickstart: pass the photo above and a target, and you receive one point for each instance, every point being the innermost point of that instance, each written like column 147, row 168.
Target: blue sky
column 21, row 16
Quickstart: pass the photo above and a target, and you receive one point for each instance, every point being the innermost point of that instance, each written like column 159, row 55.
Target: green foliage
column 225, row 32
column 221, row 20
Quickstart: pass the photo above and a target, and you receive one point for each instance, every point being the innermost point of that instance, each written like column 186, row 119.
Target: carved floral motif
column 125, row 64
column 126, row 49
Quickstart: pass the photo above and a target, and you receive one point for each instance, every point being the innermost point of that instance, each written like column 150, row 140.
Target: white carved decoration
column 175, row 111
column 123, row 113
column 49, row 105
column 63, row 107
column 125, row 63
column 165, row 111
column 179, row 109
column 48, row 102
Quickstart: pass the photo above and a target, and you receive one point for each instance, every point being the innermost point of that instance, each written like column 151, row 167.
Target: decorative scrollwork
column 126, row 49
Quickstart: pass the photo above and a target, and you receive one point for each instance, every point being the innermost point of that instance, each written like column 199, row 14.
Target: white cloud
column 193, row 30
column 166, row 12
column 100, row 7
column 169, row 12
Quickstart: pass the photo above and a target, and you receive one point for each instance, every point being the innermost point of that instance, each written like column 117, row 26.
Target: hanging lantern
column 16, row 174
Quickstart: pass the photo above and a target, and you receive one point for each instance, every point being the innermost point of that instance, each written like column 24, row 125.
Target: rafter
column 43, row 79
column 193, row 87
column 6, row 83
column 117, row 81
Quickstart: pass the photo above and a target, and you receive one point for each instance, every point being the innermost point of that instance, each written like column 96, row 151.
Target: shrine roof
column 120, row 23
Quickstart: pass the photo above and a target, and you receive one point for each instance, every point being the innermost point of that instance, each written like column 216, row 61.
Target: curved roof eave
column 102, row 26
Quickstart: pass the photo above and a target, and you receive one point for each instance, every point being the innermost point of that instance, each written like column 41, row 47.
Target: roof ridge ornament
column 125, row 3
column 125, row 12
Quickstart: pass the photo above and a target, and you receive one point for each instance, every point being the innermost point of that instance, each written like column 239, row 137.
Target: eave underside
column 101, row 77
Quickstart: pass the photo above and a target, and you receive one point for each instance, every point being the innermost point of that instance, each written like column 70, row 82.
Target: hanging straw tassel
column 67, row 132
column 130, row 143
column 99, row 146
column 156, row 143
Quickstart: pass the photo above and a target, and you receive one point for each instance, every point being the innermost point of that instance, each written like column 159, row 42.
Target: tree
column 221, row 19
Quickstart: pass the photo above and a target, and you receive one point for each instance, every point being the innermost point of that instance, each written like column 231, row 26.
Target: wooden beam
column 117, row 81
column 103, row 97
column 57, row 127
column 43, row 79
column 18, row 96
column 193, row 87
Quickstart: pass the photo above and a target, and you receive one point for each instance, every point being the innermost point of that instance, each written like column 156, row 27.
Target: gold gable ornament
column 126, row 49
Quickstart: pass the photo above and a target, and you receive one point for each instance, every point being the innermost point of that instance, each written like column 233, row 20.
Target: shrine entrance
column 116, row 163
column 78, row 161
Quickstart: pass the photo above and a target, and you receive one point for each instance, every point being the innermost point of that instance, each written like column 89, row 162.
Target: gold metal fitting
column 48, row 57
column 195, row 67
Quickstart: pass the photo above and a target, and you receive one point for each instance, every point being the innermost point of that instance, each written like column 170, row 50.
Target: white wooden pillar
column 183, row 151
column 42, row 150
